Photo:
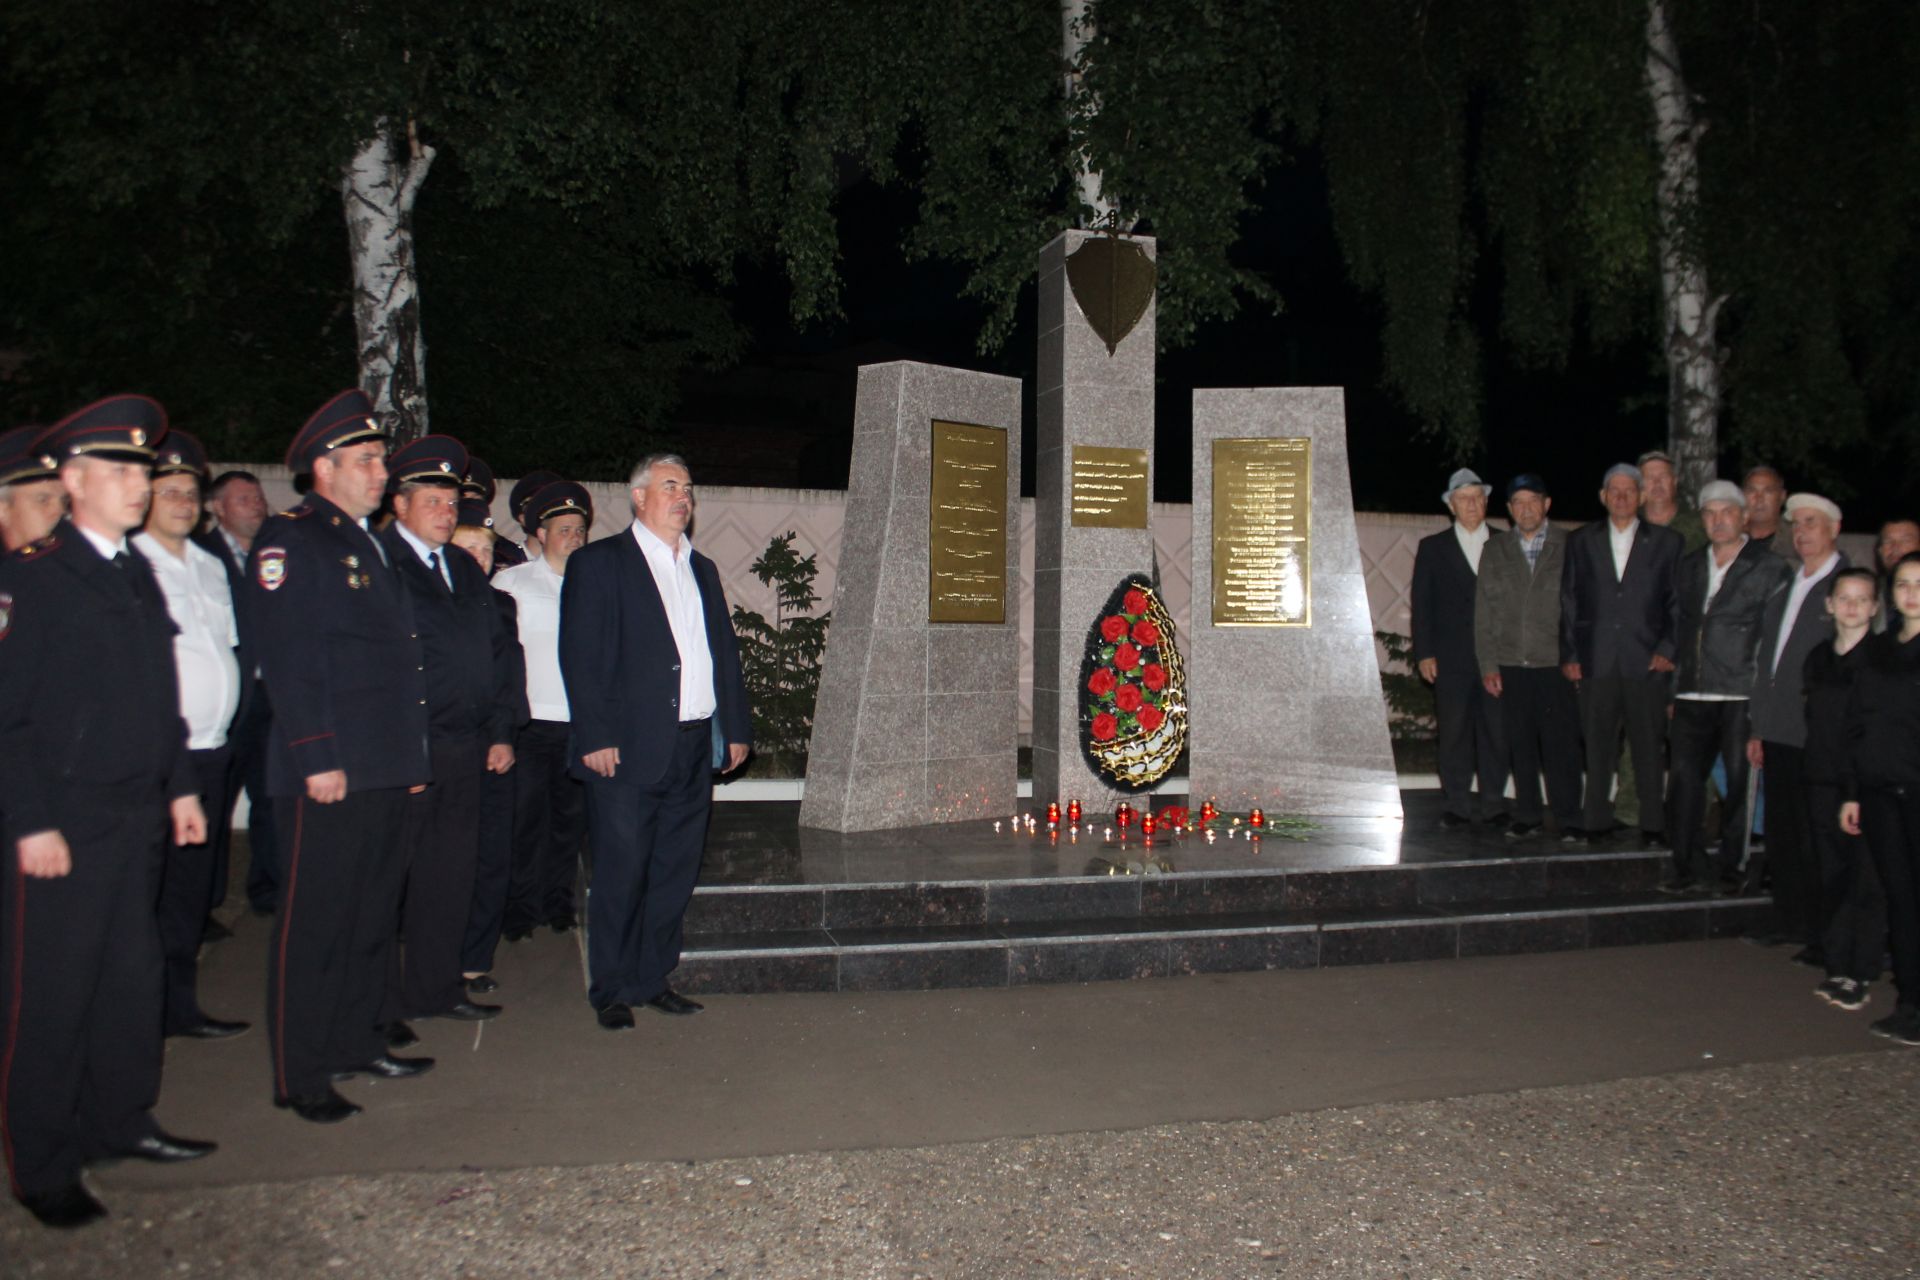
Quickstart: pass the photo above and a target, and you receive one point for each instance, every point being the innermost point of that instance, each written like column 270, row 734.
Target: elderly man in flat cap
column 342, row 659
column 1446, row 570
column 1617, row 647
column 95, row 760
column 1722, row 590
column 1795, row 623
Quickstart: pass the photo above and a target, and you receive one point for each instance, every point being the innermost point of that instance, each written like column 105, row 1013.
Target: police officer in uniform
column 94, row 754
column 469, row 669
column 31, row 499
column 341, row 659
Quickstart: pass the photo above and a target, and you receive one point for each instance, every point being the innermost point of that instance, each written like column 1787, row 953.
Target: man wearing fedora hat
column 1446, row 570
column 95, row 757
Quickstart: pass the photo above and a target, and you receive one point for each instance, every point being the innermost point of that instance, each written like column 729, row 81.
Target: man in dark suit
column 94, row 754
column 1617, row 646
column 342, row 662
column 1796, row 622
column 652, row 673
column 1721, row 590
column 1446, row 569
column 470, row 672
column 239, row 508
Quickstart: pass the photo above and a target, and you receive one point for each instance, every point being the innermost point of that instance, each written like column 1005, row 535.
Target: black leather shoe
column 516, row 933
column 480, row 984
column 468, row 1011
column 563, row 922
column 401, row 1036
column 1522, row 830
column 71, row 1206
column 615, row 1017
column 1454, row 821
column 1677, row 885
column 321, row 1108
column 211, row 1029
column 671, row 1001
column 164, row 1148
column 214, row 931
column 388, row 1067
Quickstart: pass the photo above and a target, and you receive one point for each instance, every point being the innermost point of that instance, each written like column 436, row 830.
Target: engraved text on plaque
column 1262, row 509
column 967, row 546
column 1109, row 487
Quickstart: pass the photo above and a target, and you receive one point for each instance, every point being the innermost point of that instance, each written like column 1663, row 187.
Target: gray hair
column 1621, row 469
column 643, row 469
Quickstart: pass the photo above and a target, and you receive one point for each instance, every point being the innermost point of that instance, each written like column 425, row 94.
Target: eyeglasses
column 176, row 495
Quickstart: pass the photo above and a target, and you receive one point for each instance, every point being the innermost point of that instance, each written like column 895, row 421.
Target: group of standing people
column 428, row 720
column 1638, row 663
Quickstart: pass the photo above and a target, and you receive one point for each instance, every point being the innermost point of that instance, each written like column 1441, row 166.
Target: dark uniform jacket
column 468, row 651
column 339, row 652
column 89, row 697
column 622, row 667
column 1719, row 642
column 1610, row 624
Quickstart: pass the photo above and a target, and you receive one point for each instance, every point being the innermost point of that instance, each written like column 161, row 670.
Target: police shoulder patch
column 6, row 613
column 38, row 547
column 270, row 568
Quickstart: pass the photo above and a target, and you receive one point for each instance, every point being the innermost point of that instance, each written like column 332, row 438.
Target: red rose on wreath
column 1134, row 602
column 1127, row 697
column 1126, row 657
column 1151, row 718
column 1144, row 632
column 1100, row 683
column 1154, row 676
column 1104, row 727
column 1112, row 628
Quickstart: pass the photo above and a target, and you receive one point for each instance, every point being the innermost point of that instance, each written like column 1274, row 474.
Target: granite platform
column 786, row 908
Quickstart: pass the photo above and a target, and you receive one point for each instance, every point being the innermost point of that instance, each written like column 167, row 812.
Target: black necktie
column 433, row 563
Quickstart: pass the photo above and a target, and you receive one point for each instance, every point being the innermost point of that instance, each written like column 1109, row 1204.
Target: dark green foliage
column 1409, row 698
column 781, row 658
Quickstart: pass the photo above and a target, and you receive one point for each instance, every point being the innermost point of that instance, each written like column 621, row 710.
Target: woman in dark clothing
column 1854, row 940
column 1883, row 737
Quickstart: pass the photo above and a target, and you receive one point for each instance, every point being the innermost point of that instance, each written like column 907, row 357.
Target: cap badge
column 138, row 436
column 270, row 568
column 446, row 466
column 352, row 562
column 48, row 461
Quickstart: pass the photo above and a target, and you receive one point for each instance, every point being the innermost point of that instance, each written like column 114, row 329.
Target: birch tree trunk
column 378, row 188
column 1694, row 359
column 1076, row 32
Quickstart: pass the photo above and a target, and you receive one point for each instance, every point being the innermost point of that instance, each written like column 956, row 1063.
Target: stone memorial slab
column 1285, row 706
column 918, row 716
column 1094, row 418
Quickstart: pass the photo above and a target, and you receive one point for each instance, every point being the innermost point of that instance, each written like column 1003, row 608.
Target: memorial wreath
column 1133, row 689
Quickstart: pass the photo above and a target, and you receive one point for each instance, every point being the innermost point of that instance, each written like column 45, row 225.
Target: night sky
column 1568, row 424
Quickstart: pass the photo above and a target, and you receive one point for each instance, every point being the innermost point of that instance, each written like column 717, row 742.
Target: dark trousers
column 1702, row 733
column 80, row 977
column 1790, row 858
column 186, row 892
column 1639, row 703
column 1855, row 934
column 647, row 842
column 1542, row 725
column 249, row 743
column 1890, row 823
column 549, row 819
column 442, row 845
column 327, row 958
column 1473, row 744
column 491, row 871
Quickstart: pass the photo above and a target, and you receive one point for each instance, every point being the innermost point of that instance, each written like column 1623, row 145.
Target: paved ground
column 1685, row 1110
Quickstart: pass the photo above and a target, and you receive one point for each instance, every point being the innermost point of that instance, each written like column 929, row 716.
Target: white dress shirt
column 535, row 589
column 108, row 550
column 200, row 601
column 1622, row 540
column 1803, row 585
column 435, row 560
column 680, row 594
column 1472, row 543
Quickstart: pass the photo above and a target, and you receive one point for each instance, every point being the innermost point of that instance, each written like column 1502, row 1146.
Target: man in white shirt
column 653, row 680
column 550, row 805
column 200, row 601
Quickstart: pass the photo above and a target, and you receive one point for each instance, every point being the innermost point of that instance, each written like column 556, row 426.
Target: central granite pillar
column 1094, row 407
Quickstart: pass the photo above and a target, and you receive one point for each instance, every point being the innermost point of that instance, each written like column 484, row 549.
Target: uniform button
column 419, row 668
column 676, row 666
column 414, row 636
column 423, row 702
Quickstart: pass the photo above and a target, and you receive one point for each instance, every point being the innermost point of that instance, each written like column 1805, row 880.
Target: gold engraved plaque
column 1262, row 548
column 967, row 546
column 1109, row 487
